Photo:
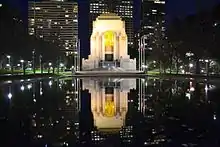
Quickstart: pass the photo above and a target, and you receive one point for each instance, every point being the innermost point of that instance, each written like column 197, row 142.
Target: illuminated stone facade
column 109, row 102
column 109, row 45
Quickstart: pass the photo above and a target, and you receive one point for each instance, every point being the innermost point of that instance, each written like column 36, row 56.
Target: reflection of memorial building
column 109, row 102
column 109, row 45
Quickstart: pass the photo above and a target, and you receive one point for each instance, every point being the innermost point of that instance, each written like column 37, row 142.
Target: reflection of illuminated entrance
column 109, row 45
column 109, row 108
column 109, row 102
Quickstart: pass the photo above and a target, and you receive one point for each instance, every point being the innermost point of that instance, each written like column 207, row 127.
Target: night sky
column 180, row 8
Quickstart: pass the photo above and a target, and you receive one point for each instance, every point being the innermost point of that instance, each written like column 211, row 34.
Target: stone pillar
column 118, row 46
column 100, row 47
column 103, row 47
column 115, row 50
column 98, row 100
column 115, row 99
column 97, row 46
column 118, row 102
column 103, row 101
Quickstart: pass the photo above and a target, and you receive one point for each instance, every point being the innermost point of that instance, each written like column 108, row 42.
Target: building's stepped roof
column 106, row 16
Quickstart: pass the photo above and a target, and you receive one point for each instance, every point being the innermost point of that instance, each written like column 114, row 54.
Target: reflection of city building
column 58, row 119
column 55, row 21
column 109, row 102
column 109, row 45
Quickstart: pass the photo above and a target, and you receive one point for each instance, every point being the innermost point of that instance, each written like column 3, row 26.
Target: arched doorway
column 109, row 45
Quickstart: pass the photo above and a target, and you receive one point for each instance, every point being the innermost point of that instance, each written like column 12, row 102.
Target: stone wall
column 128, row 64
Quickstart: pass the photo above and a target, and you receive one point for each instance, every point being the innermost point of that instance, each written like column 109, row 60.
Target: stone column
column 118, row 46
column 115, row 99
column 96, row 46
column 98, row 100
column 117, row 102
column 115, row 49
column 103, row 47
column 103, row 101
column 99, row 46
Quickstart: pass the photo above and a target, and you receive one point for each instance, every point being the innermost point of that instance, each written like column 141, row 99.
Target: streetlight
column 9, row 61
column 40, row 60
column 207, row 66
column 33, row 60
column 190, row 65
column 142, row 51
column 61, row 64
column 50, row 64
column 23, row 67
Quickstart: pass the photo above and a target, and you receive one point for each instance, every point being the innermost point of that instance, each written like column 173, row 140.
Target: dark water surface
column 110, row 112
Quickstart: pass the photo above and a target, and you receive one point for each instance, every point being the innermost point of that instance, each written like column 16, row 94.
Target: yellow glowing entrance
column 109, row 41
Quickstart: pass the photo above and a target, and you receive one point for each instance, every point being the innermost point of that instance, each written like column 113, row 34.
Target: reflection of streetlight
column 22, row 88
column 9, row 95
column 50, row 83
column 192, row 89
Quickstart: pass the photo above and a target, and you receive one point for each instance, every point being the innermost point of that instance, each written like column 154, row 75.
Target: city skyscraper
column 55, row 21
column 123, row 8
column 152, row 30
column 153, row 19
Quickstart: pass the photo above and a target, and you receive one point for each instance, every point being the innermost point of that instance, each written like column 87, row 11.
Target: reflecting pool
column 110, row 112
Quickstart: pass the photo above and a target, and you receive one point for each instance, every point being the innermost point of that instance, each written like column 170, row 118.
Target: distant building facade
column 152, row 26
column 123, row 8
column 153, row 18
column 55, row 21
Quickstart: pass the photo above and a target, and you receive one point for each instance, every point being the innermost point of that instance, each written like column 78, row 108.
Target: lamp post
column 23, row 67
column 78, row 65
column 9, row 60
column 207, row 67
column 33, row 60
column 50, row 64
column 40, row 60
column 142, row 60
